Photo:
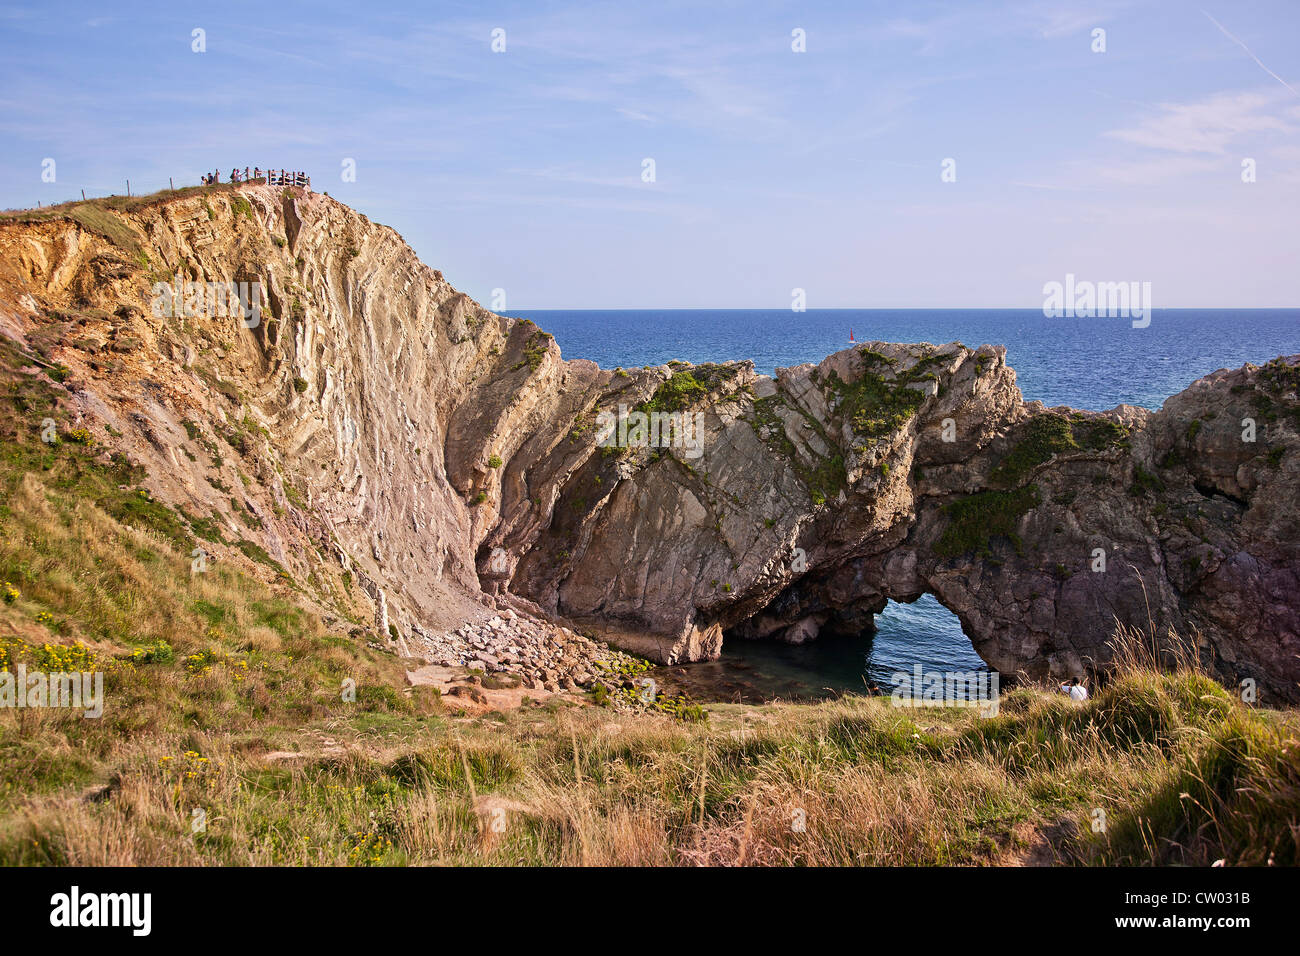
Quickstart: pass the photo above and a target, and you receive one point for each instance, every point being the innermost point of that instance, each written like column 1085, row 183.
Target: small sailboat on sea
column 850, row 333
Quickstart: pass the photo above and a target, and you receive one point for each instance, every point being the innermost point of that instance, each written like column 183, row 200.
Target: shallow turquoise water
column 924, row 633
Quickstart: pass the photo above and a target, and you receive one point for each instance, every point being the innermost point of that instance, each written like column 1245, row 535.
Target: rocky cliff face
column 387, row 444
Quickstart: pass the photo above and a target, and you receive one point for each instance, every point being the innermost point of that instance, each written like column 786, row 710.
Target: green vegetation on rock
column 827, row 476
column 534, row 349
column 1047, row 435
column 1144, row 482
column 876, row 405
column 681, row 390
column 974, row 521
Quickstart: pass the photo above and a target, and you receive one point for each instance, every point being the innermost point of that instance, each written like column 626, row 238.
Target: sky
column 523, row 168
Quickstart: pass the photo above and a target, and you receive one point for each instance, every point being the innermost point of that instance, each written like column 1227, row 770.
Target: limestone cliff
column 375, row 426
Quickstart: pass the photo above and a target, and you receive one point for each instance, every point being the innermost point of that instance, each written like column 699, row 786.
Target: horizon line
column 899, row 308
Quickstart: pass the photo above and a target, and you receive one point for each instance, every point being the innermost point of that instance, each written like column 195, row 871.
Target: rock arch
column 842, row 469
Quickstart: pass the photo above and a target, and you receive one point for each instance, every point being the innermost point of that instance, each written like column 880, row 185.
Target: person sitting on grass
column 1075, row 689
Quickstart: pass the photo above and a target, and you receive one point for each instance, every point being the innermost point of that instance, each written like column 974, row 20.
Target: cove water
column 1090, row 363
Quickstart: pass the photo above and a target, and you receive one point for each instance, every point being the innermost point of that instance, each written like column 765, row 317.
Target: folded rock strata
column 379, row 428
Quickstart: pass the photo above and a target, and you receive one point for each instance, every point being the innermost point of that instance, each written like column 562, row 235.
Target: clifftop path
column 378, row 440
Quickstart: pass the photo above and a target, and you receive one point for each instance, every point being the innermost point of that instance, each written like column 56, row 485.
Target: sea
column 1089, row 363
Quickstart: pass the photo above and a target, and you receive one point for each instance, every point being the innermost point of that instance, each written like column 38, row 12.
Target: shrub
column 159, row 652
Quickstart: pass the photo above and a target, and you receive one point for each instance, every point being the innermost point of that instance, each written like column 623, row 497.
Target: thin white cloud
column 1209, row 125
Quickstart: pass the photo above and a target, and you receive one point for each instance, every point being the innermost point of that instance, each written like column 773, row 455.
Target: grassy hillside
column 224, row 696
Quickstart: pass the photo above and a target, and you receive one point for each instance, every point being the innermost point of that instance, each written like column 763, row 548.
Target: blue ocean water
column 1085, row 363
column 1095, row 363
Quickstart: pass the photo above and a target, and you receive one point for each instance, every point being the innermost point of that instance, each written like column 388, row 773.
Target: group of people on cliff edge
column 274, row 177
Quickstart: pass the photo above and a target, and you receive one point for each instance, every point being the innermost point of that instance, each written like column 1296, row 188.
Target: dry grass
column 107, row 216
column 850, row 782
column 124, row 204
column 243, row 722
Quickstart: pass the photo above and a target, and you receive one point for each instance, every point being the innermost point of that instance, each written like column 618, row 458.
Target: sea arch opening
column 857, row 650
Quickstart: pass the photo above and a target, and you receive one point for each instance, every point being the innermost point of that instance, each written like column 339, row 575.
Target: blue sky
column 821, row 170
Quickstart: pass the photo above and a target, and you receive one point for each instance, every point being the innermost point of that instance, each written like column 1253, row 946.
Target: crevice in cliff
column 1211, row 491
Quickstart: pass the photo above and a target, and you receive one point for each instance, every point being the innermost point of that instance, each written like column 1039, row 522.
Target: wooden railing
column 280, row 177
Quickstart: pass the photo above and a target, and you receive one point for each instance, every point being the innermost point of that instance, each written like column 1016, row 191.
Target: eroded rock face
column 379, row 428
column 891, row 471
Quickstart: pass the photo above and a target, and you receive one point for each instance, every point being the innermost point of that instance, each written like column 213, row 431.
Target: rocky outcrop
column 376, row 428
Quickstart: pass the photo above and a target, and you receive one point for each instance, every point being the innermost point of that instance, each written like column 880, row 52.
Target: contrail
column 1251, row 55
